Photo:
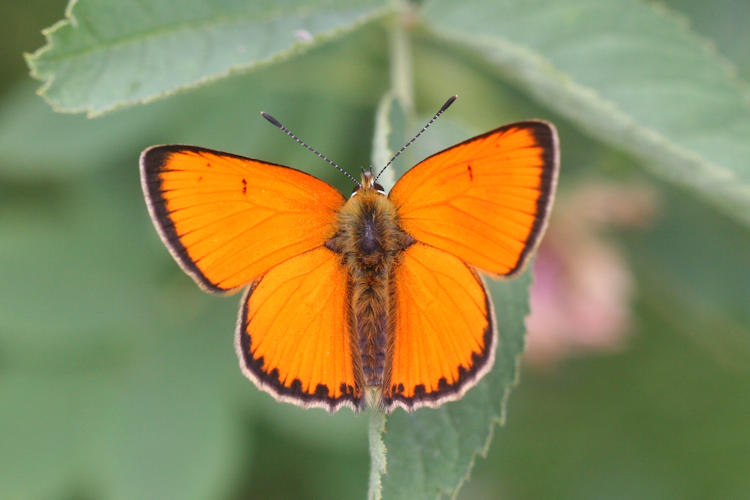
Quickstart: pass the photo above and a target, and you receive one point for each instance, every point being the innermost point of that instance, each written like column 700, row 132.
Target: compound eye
column 380, row 189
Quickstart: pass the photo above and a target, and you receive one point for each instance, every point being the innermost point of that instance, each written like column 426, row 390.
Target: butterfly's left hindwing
column 227, row 219
column 293, row 333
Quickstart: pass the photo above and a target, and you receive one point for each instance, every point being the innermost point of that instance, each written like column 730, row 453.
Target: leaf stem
column 377, row 453
column 402, row 79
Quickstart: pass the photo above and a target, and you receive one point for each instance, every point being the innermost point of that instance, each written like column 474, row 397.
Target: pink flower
column 582, row 289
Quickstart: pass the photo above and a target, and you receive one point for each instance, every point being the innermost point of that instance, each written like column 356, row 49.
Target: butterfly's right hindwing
column 443, row 330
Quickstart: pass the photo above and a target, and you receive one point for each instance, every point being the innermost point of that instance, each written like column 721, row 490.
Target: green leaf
column 36, row 142
column 378, row 452
column 173, row 429
column 155, row 424
column 700, row 285
column 75, row 269
column 627, row 72
column 107, row 54
column 431, row 452
column 48, row 423
column 718, row 21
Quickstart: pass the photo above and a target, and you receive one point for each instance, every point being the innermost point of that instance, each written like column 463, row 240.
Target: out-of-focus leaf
column 281, row 456
column 174, row 430
column 629, row 73
column 75, row 269
column 106, row 54
column 50, row 428
column 723, row 22
column 308, row 427
column 693, row 269
column 22, row 21
column 158, row 423
column 36, row 142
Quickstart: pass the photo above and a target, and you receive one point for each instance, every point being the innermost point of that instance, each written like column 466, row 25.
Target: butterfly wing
column 227, row 219
column 444, row 330
column 484, row 200
column 293, row 333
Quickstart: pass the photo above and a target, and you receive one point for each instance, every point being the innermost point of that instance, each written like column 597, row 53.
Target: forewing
column 485, row 200
column 227, row 219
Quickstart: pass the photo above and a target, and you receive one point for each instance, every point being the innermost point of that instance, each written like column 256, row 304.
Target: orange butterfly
column 374, row 292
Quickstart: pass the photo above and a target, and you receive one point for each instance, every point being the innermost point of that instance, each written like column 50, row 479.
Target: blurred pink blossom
column 582, row 289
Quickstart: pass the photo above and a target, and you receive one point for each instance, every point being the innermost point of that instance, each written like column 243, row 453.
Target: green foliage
column 118, row 377
column 107, row 54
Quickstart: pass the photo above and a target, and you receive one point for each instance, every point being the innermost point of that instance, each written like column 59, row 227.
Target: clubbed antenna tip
column 271, row 119
column 448, row 103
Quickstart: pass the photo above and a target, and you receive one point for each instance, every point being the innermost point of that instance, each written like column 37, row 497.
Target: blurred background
column 118, row 378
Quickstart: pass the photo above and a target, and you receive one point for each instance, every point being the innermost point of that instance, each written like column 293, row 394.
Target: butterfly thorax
column 370, row 240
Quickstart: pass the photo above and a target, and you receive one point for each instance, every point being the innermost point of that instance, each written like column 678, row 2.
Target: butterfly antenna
column 299, row 141
column 432, row 120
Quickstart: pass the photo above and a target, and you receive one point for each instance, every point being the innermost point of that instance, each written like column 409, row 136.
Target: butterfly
column 371, row 300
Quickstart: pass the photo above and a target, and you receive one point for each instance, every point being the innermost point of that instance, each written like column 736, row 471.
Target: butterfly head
column 368, row 184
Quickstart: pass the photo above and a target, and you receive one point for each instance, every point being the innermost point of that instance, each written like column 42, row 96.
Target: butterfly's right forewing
column 485, row 200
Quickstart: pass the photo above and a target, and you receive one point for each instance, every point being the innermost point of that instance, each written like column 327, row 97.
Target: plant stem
column 402, row 79
column 377, row 453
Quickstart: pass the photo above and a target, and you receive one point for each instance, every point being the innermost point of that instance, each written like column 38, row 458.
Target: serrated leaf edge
column 499, row 420
column 294, row 50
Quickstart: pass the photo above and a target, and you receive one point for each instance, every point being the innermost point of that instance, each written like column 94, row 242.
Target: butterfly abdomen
column 369, row 239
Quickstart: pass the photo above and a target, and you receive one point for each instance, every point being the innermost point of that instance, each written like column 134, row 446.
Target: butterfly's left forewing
column 227, row 219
